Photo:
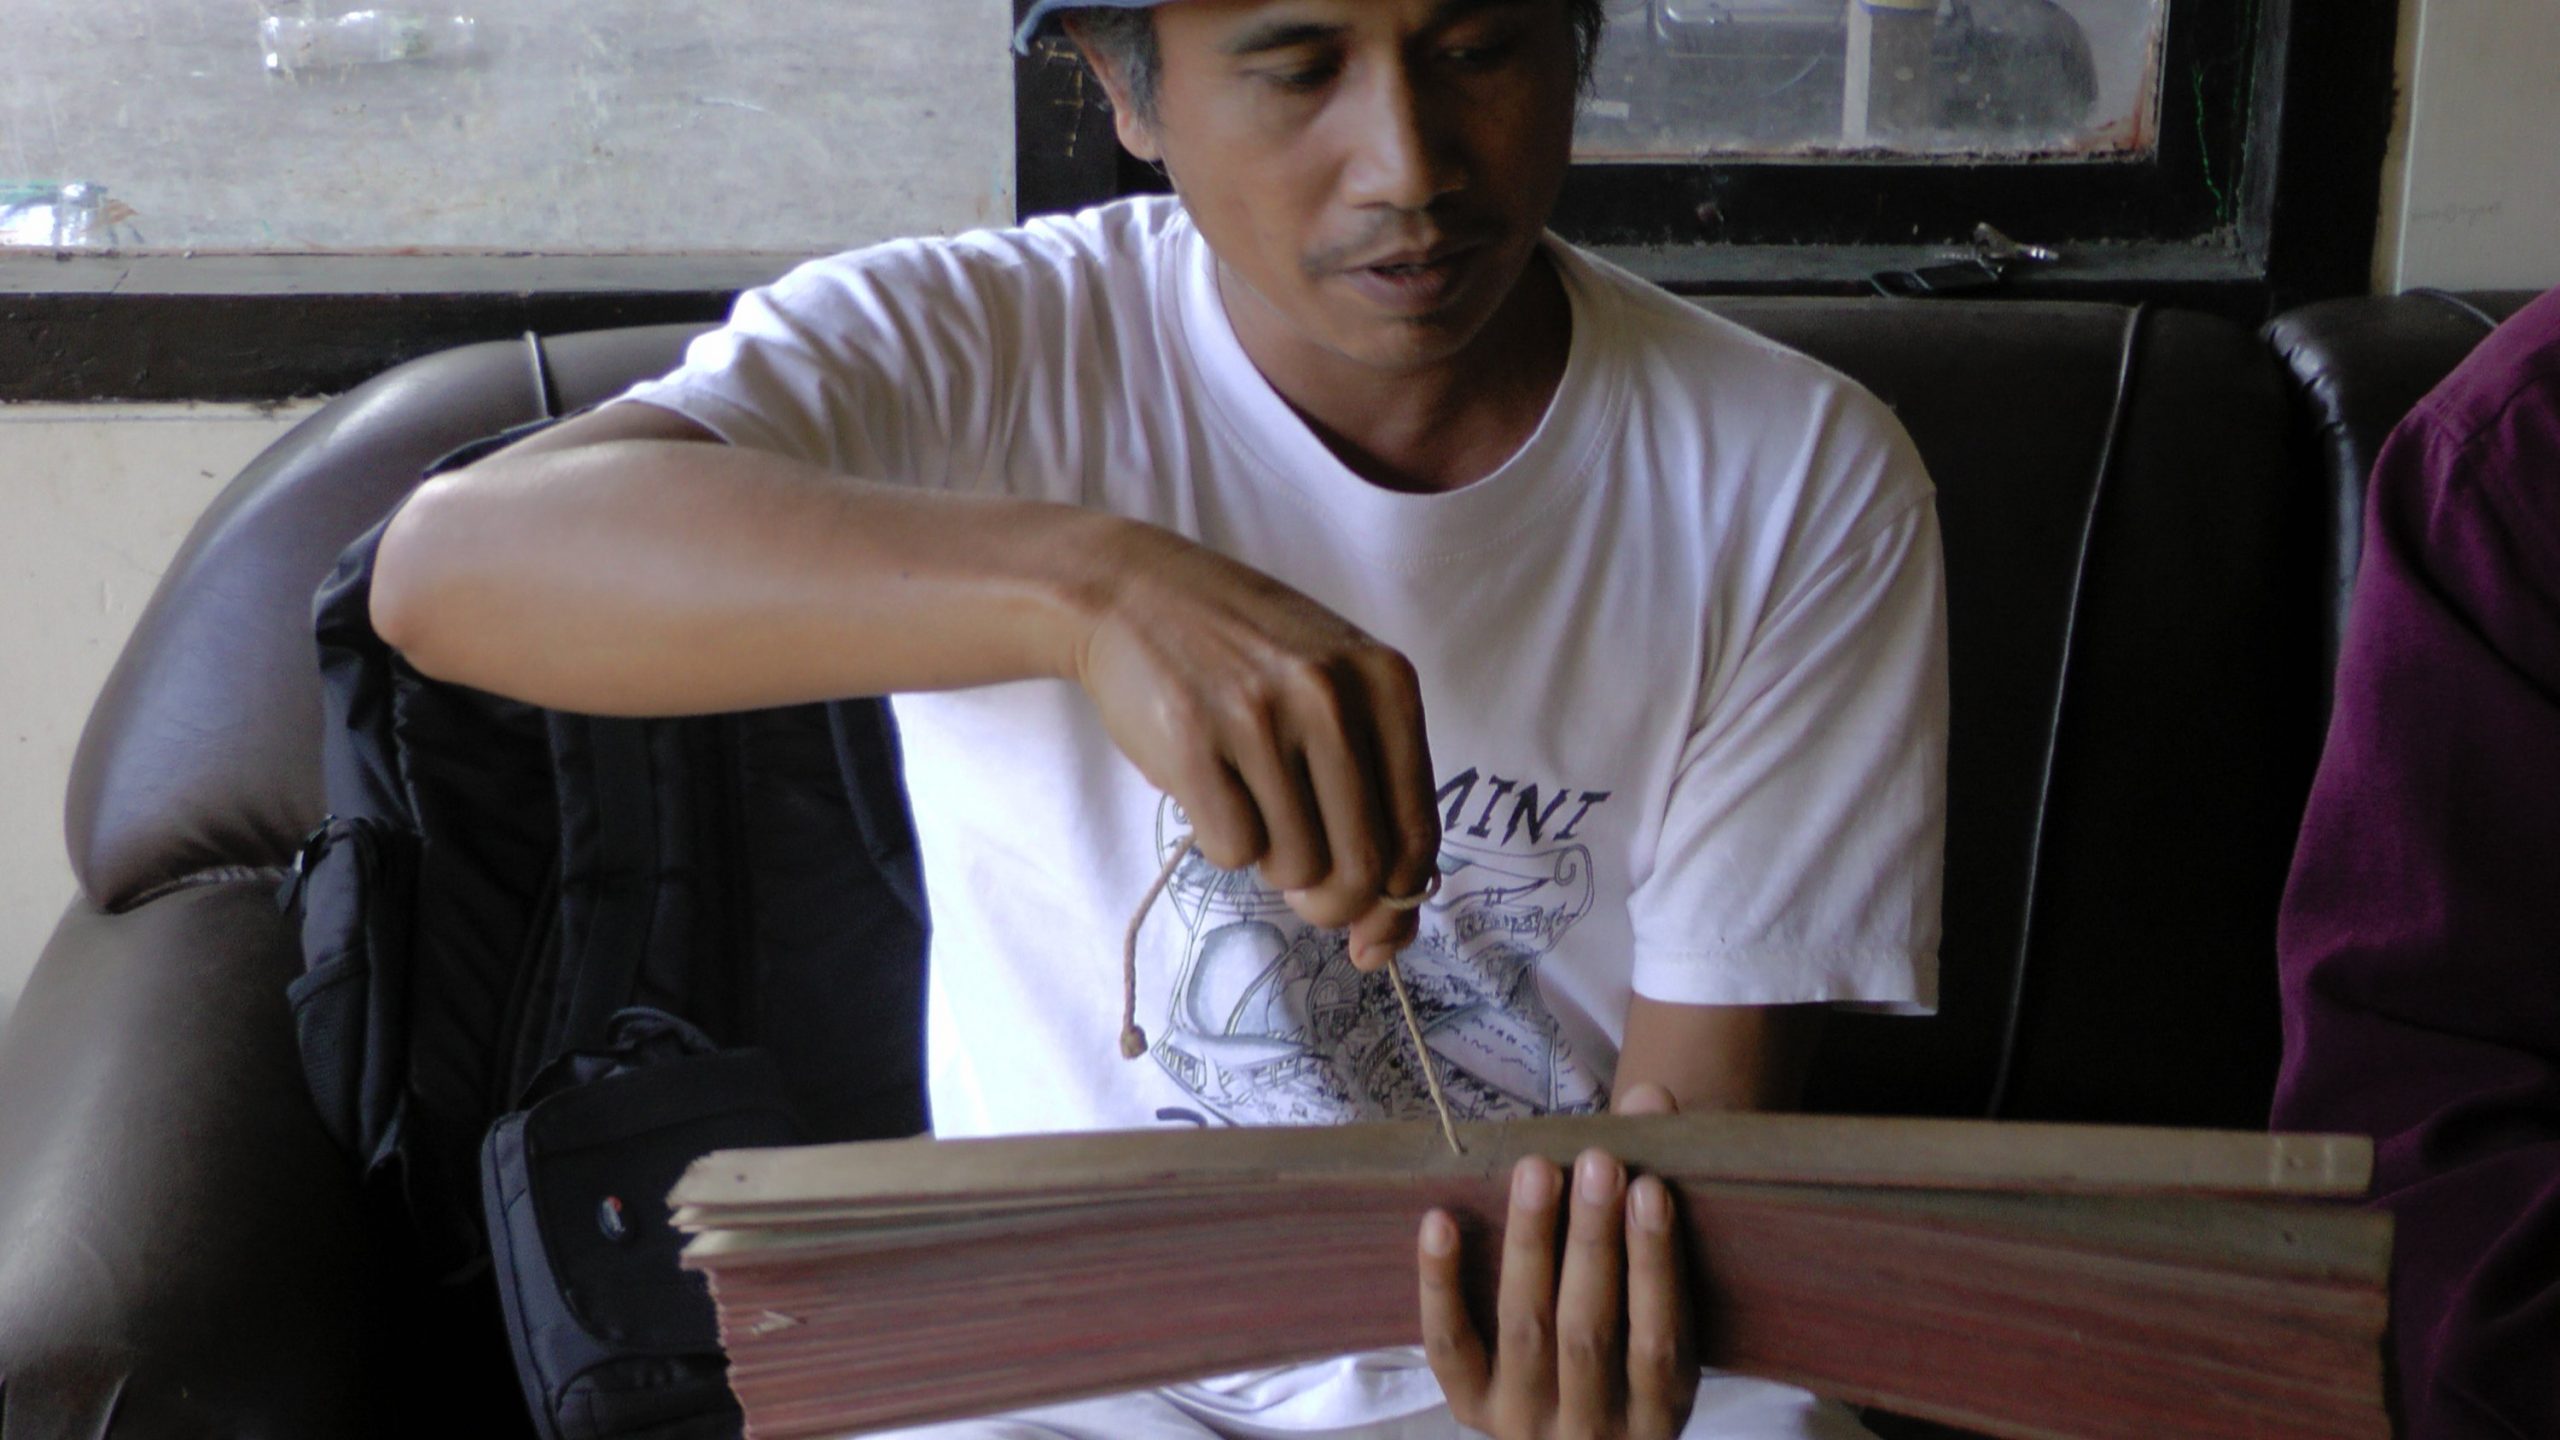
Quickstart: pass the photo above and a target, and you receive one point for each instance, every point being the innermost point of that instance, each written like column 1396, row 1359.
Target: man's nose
column 1404, row 152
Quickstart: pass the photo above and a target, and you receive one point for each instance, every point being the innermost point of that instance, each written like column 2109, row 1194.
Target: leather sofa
column 2150, row 521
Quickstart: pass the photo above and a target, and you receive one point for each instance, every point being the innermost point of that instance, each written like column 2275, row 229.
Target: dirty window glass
column 500, row 126
column 1889, row 79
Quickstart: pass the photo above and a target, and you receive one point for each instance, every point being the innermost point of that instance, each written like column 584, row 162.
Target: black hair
column 1129, row 38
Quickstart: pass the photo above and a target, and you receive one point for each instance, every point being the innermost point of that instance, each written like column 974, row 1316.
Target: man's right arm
column 628, row 563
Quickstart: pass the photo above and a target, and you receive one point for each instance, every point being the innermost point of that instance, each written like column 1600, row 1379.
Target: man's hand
column 1292, row 739
column 1604, row 1349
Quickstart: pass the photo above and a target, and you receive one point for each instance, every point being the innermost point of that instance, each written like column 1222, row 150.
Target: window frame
column 2187, row 189
column 2264, row 197
column 2305, row 198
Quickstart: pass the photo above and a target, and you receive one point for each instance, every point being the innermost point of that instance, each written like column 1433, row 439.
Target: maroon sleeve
column 2420, row 940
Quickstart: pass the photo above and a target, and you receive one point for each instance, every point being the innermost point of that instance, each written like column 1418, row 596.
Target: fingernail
column 1595, row 1177
column 1439, row 1236
column 1651, row 1203
column 1533, row 1185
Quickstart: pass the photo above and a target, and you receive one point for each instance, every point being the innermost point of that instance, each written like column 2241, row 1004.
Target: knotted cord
column 1133, row 1041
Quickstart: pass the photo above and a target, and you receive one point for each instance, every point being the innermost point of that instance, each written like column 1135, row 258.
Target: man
column 1473, row 606
column 2419, row 940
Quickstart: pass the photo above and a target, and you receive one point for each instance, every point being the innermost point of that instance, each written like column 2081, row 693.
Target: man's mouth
column 1414, row 282
column 1418, row 257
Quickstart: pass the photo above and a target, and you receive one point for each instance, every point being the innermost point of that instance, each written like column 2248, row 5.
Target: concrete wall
column 93, row 501
column 2472, row 195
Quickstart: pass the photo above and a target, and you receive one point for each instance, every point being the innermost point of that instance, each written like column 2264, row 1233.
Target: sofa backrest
column 2134, row 633
column 201, row 757
column 2356, row 367
column 2136, row 619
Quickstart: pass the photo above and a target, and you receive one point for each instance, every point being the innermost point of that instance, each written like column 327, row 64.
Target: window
column 235, row 202
column 1959, row 80
column 2141, row 138
column 2222, row 154
column 242, row 202
column 554, row 127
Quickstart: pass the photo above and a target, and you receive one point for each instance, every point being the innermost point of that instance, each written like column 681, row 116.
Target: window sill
column 98, row 276
column 269, row 328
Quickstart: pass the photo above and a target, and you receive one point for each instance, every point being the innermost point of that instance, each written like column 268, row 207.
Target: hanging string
column 1422, row 1051
column 1133, row 1039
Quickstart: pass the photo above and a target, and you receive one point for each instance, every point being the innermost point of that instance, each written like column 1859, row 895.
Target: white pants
column 1730, row 1407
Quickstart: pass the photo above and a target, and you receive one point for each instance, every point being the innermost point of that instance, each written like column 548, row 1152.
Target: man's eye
column 1298, row 80
column 1477, row 57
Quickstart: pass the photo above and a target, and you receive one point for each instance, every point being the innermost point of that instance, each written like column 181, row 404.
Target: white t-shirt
column 1682, row 662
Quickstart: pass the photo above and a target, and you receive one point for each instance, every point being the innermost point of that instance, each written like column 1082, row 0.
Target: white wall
column 2471, row 196
column 93, row 501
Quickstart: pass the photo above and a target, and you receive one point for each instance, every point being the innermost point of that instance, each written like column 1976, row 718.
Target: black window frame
column 2263, row 193
column 2302, row 183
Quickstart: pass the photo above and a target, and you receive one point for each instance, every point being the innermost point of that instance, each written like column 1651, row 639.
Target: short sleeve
column 890, row 363
column 1801, row 851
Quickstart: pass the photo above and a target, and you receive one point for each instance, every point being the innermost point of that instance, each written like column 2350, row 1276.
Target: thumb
column 1646, row 1099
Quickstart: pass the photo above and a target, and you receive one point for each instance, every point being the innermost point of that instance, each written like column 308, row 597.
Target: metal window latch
column 1987, row 265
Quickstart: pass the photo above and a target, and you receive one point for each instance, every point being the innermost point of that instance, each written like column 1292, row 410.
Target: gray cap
column 1041, row 10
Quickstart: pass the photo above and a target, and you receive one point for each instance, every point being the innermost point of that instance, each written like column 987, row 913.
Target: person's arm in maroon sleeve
column 2420, row 939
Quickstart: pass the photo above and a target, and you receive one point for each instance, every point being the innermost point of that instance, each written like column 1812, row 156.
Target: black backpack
column 550, row 959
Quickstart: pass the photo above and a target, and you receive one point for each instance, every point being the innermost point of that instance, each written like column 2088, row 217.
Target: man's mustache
column 1400, row 234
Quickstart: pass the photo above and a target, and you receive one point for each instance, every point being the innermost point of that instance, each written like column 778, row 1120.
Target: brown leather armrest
column 179, row 1248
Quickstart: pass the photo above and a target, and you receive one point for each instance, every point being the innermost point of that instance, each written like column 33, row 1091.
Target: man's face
column 1373, row 175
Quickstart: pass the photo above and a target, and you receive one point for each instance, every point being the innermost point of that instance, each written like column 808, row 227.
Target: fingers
column 1524, row 1377
column 1410, row 800
column 1294, row 851
column 1662, row 1362
column 1645, row 1099
column 1225, row 823
column 1409, row 815
column 1382, row 934
column 1339, row 773
column 1368, row 762
column 1590, row 1339
column 1594, row 1343
column 1341, row 757
column 1449, row 1338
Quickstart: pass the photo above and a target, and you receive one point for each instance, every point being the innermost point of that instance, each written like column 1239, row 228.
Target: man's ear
column 1137, row 135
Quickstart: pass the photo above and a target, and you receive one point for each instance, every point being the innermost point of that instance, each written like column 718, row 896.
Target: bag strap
column 611, row 867
column 867, row 755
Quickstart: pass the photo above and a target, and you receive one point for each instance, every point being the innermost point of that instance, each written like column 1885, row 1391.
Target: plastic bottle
column 296, row 42
column 47, row 216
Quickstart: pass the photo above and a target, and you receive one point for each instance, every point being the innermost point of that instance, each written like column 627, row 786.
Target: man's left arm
column 1719, row 1057
column 1797, row 865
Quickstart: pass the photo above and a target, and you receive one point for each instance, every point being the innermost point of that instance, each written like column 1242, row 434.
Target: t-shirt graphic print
column 1269, row 1023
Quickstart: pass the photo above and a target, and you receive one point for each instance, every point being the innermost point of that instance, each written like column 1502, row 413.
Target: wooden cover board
column 2037, row 1281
